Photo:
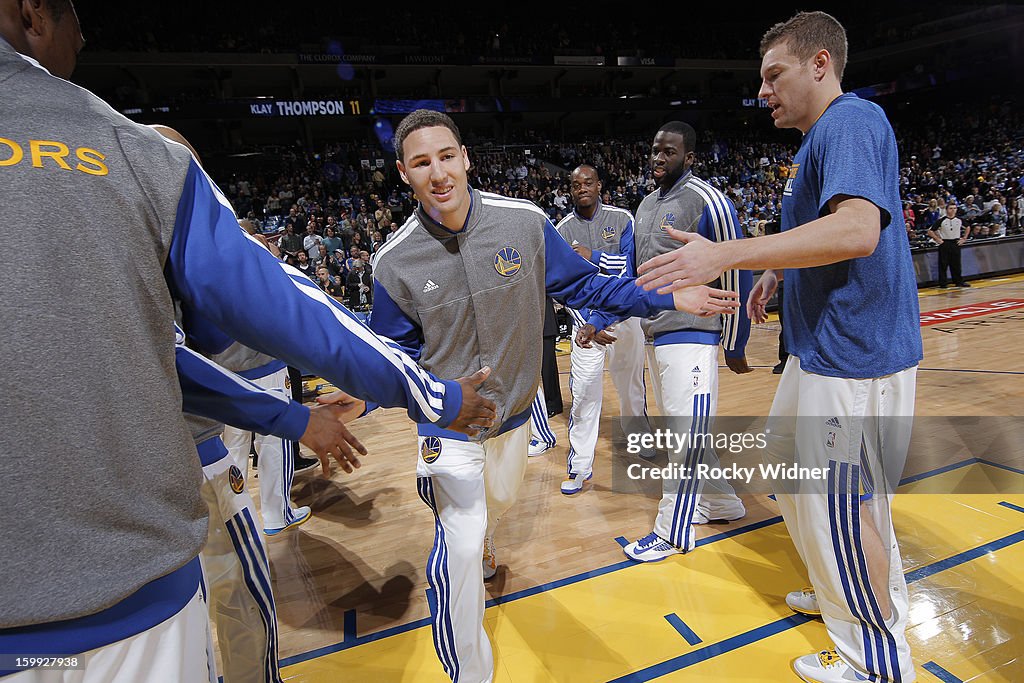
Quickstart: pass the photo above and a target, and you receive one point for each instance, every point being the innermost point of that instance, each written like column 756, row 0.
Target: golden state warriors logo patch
column 235, row 479
column 288, row 383
column 608, row 233
column 669, row 221
column 431, row 449
column 508, row 262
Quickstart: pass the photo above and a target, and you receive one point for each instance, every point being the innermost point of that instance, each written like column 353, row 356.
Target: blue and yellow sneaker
column 490, row 558
column 826, row 667
column 302, row 516
column 804, row 602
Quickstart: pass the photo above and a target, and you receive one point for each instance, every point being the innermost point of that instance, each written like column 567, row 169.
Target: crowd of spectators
column 328, row 215
column 971, row 155
column 332, row 210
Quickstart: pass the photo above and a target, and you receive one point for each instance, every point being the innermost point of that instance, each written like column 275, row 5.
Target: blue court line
column 761, row 632
column 736, row 532
column 685, row 631
column 350, row 625
column 1012, row 506
column 714, row 650
column 959, row 465
column 941, row 470
column 966, row 556
column 500, row 600
column 361, row 640
column 412, row 625
column 940, row 673
column 1001, row 466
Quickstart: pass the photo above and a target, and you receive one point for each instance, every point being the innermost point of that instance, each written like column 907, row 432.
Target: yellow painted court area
column 962, row 555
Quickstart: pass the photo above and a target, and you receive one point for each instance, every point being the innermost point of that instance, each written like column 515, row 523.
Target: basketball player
column 235, row 566
column 234, row 556
column 119, row 584
column 846, row 396
column 277, row 456
column 462, row 285
column 598, row 232
column 686, row 346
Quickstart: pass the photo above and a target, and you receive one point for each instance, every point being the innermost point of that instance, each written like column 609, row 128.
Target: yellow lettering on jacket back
column 17, row 153
column 53, row 154
column 94, row 160
column 57, row 154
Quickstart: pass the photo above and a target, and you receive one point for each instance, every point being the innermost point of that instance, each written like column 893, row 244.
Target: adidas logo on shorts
column 430, row 286
column 834, row 422
column 696, row 369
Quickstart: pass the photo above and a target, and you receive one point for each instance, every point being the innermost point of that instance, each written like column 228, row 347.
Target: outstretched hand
column 704, row 301
column 352, row 406
column 760, row 295
column 588, row 333
column 327, row 435
column 476, row 412
column 694, row 263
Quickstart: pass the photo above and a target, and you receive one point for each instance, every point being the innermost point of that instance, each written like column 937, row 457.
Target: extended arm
column 850, row 230
column 218, row 271
column 211, row 391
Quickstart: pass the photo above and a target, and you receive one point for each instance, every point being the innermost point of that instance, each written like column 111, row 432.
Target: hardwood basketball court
column 566, row 605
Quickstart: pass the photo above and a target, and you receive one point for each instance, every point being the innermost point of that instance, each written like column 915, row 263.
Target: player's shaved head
column 672, row 153
column 685, row 130
column 585, row 168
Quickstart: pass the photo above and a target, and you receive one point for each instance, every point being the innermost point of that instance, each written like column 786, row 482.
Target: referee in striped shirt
column 948, row 233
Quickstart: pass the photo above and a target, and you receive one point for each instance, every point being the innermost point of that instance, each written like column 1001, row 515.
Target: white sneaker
column 650, row 548
column 825, row 667
column 302, row 515
column 538, row 447
column 574, row 484
column 713, row 508
column 490, row 559
column 804, row 602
